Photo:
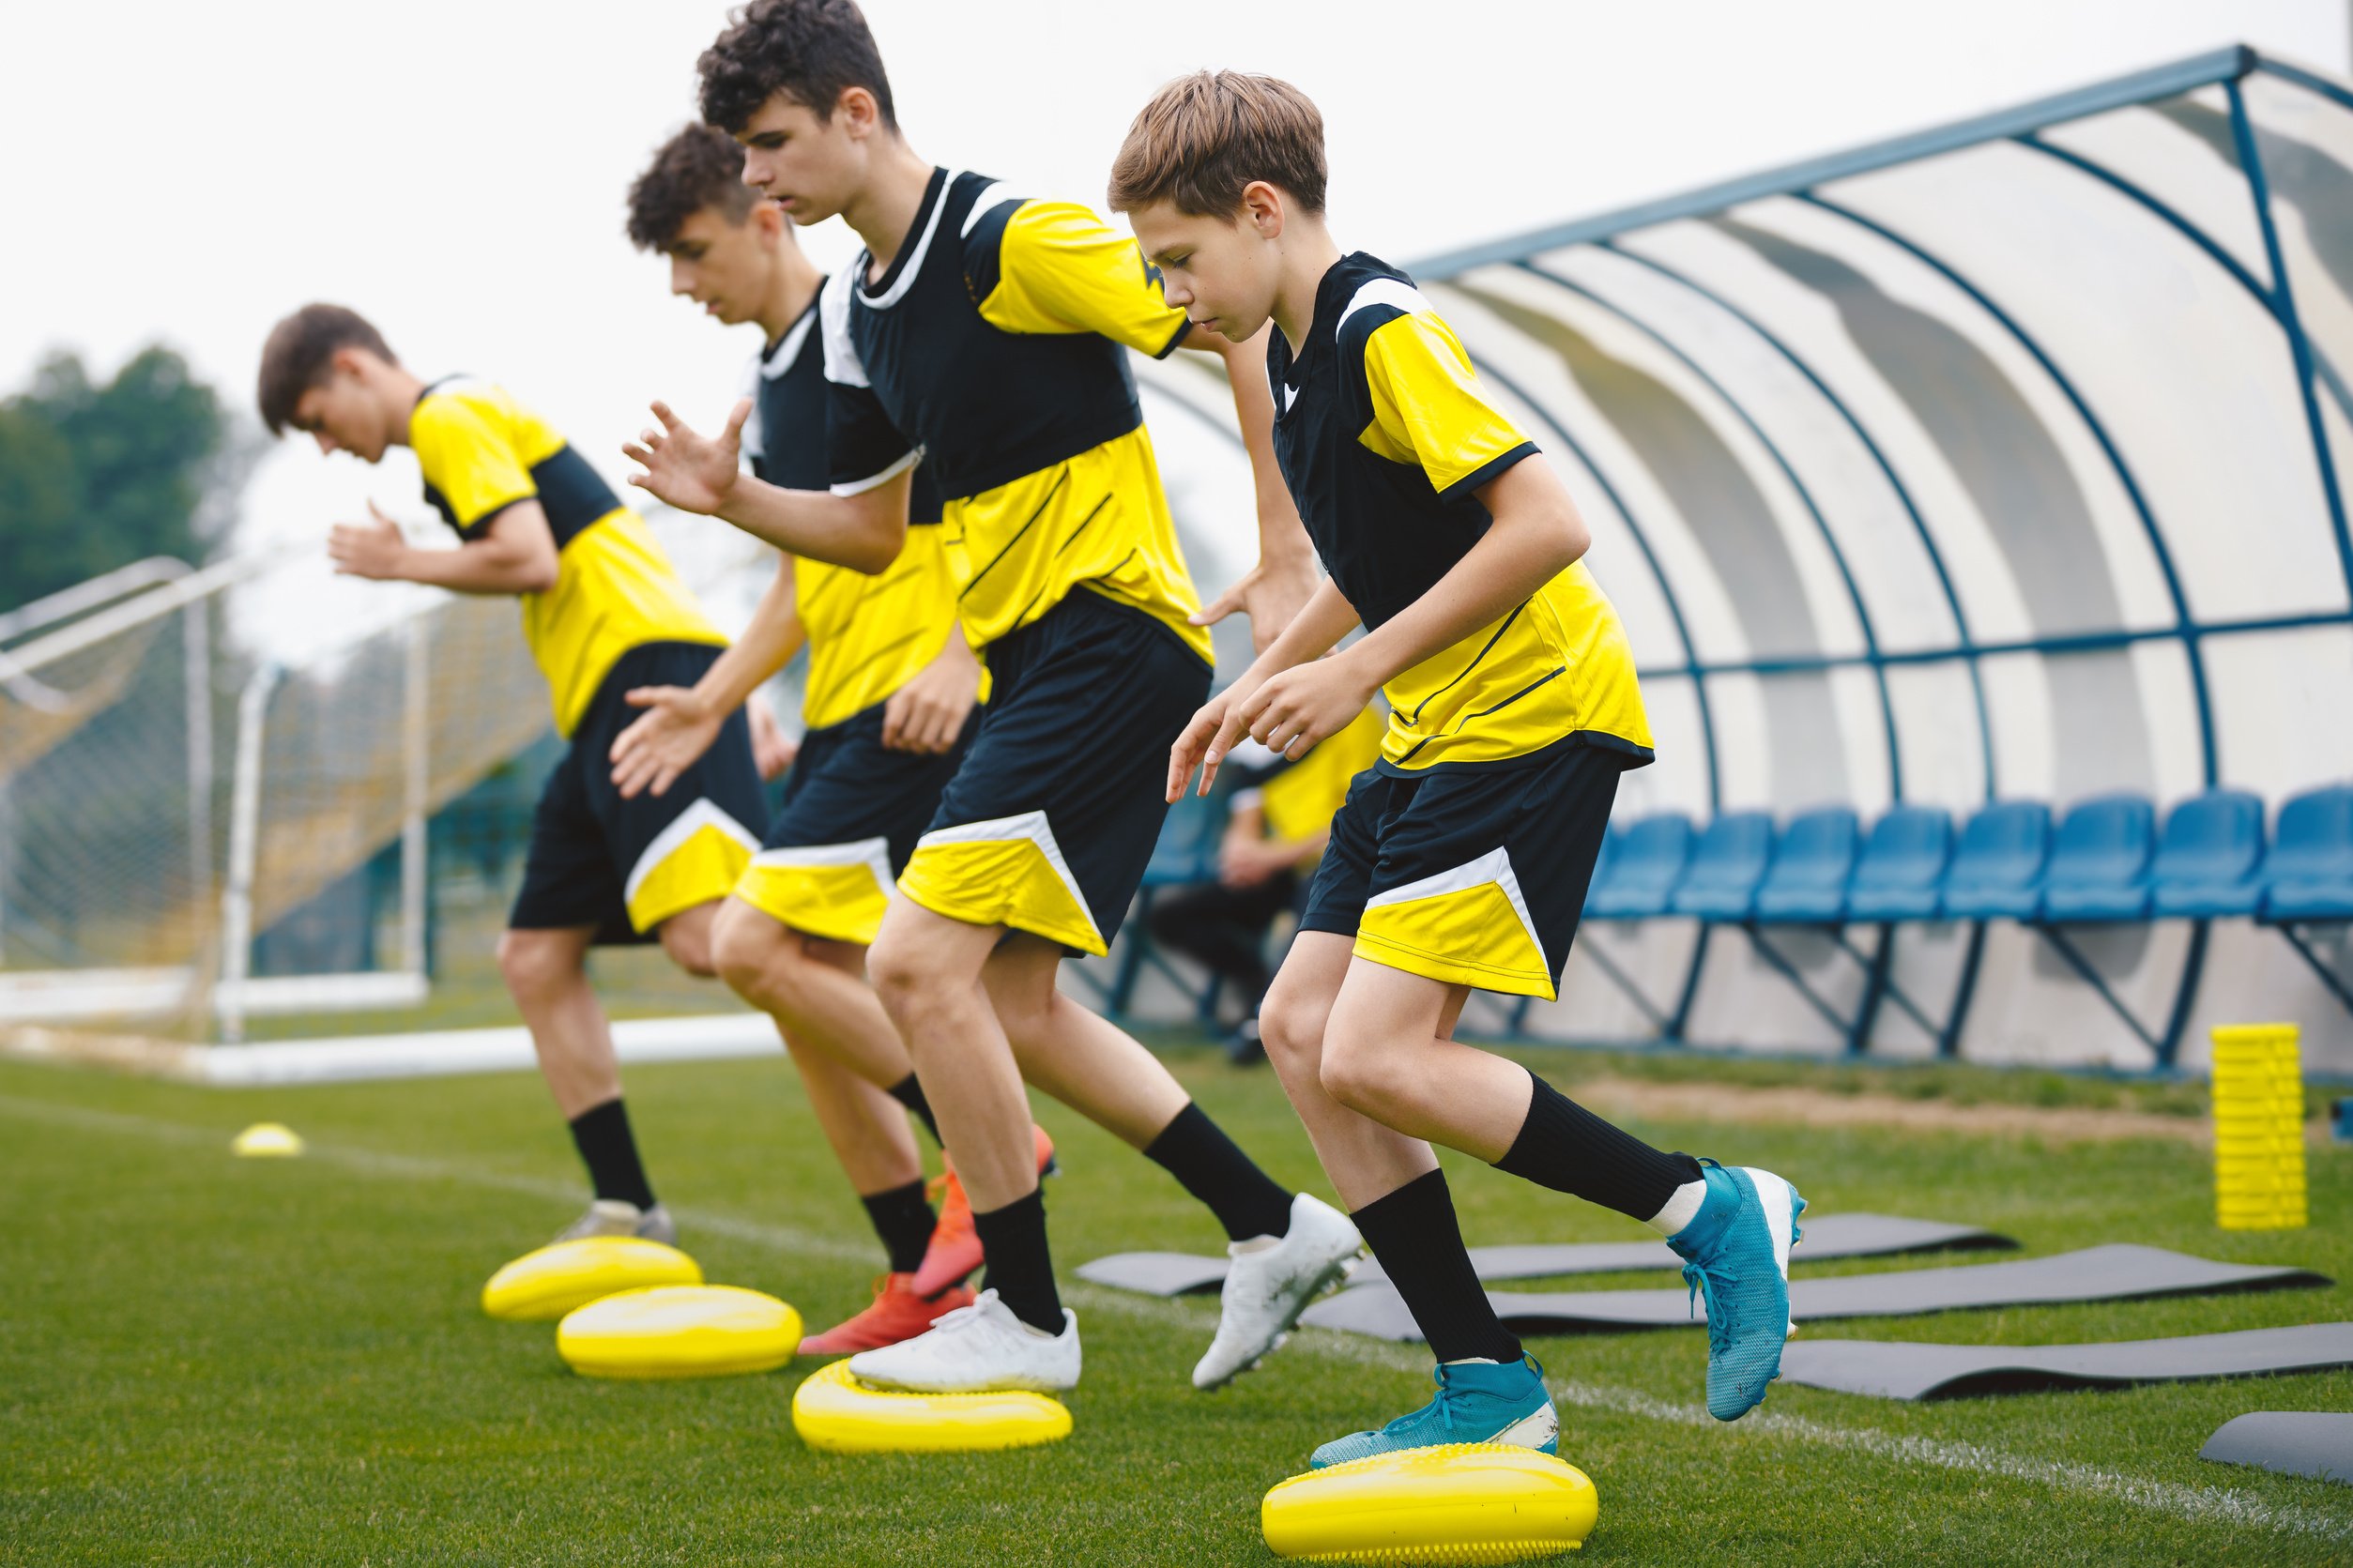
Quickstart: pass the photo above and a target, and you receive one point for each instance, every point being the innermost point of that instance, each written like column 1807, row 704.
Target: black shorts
column 625, row 866
column 1474, row 876
column 853, row 810
column 1048, row 826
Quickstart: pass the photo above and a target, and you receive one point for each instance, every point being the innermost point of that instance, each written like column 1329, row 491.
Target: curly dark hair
column 699, row 167
column 808, row 50
column 296, row 358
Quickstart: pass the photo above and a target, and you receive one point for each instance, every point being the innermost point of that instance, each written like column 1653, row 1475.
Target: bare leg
column 546, row 972
column 1366, row 1159
column 1389, row 1054
column 866, row 1127
column 815, row 989
column 928, row 971
column 686, row 937
column 1078, row 1057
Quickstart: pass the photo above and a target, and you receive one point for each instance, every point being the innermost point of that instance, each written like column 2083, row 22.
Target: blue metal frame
column 1821, row 525
column 2250, row 163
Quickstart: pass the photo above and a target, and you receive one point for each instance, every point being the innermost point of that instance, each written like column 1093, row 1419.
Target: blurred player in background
column 603, row 612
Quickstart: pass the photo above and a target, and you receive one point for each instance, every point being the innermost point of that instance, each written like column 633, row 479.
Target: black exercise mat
column 1896, row 1370
column 2116, row 1273
column 2293, row 1442
column 1178, row 1273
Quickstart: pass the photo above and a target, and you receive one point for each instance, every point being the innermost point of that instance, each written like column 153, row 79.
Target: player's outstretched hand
column 928, row 712
column 373, row 550
column 1290, row 711
column 1204, row 744
column 1270, row 593
column 691, row 471
column 664, row 740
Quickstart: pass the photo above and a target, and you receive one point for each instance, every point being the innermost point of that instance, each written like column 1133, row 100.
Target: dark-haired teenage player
column 985, row 333
column 603, row 612
column 1461, row 860
column 888, row 703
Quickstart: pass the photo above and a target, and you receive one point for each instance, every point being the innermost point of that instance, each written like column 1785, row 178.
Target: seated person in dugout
column 889, row 703
column 1278, row 820
column 603, row 612
column 1461, row 859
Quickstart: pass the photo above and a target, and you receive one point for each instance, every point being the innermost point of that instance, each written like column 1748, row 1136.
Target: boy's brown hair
column 808, row 50
column 1204, row 137
column 701, row 166
column 296, row 358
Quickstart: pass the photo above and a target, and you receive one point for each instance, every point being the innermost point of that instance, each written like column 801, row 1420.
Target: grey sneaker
column 611, row 1217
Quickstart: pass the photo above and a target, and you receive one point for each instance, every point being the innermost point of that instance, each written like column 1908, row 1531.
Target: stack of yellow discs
column 2258, row 1128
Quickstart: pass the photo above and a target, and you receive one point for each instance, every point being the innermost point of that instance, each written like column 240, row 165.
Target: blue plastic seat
column 2209, row 858
column 1998, row 870
column 1903, row 859
column 2098, row 868
column 2309, row 875
column 1638, row 874
column 1728, row 864
column 1807, row 881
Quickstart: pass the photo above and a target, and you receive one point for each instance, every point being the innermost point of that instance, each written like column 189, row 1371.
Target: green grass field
column 214, row 1360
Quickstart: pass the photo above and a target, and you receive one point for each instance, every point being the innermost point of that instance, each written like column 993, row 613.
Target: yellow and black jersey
column 481, row 453
column 1299, row 798
column 994, row 348
column 868, row 636
column 1384, row 435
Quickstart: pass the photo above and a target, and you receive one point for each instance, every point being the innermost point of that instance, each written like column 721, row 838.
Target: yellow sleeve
column 1428, row 408
column 471, row 468
column 1060, row 268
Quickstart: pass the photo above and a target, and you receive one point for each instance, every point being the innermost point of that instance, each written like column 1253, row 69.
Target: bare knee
column 744, row 947
column 1291, row 1029
column 905, row 983
column 1356, row 1074
column 686, row 937
column 538, row 964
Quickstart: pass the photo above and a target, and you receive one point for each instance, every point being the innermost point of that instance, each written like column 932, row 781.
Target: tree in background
column 95, row 476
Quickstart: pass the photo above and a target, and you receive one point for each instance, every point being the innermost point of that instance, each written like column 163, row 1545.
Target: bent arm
column 768, row 643
column 515, row 554
column 1537, row 535
column 864, row 532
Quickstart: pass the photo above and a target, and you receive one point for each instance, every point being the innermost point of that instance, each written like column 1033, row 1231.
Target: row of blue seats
column 2105, row 861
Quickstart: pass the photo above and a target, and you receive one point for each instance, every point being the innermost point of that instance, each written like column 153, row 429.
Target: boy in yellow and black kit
column 1461, row 859
column 984, row 334
column 602, row 613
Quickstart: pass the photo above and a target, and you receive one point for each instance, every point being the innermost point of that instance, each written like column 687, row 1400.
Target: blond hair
column 1205, row 137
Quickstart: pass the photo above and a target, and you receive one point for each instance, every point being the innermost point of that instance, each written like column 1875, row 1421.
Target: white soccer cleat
column 612, row 1217
column 1268, row 1286
column 977, row 1349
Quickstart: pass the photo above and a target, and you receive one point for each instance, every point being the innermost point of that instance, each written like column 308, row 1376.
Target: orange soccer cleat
column 896, row 1314
column 955, row 1246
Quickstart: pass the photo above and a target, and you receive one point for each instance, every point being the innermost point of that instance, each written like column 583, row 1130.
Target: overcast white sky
column 456, row 168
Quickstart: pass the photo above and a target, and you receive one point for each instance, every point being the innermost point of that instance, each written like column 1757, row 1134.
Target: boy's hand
column 1270, row 593
column 373, row 550
column 664, row 742
column 772, row 750
column 689, row 471
column 1203, row 743
column 1303, row 705
column 1248, row 863
column 928, row 712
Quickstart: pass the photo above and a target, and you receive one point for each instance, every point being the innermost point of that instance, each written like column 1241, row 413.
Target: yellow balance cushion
column 834, row 1411
column 566, row 1274
column 1459, row 1504
column 267, row 1140
column 679, row 1330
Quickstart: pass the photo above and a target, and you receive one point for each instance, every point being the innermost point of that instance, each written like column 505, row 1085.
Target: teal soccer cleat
column 1479, row 1402
column 1737, row 1251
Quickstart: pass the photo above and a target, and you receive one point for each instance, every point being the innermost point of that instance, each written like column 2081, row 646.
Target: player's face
column 720, row 266
column 342, row 417
column 809, row 167
column 1221, row 273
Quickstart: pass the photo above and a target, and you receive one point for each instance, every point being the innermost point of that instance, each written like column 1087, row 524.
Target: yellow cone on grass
column 267, row 1140
column 2258, row 1128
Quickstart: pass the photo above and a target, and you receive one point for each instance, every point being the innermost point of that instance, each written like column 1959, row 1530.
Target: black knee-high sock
column 1567, row 1148
column 1197, row 1153
column 601, row 1134
column 907, row 1093
column 1413, row 1233
column 1020, row 1267
column 904, row 1219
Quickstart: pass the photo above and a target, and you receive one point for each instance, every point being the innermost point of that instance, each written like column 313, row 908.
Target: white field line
column 2203, row 1504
